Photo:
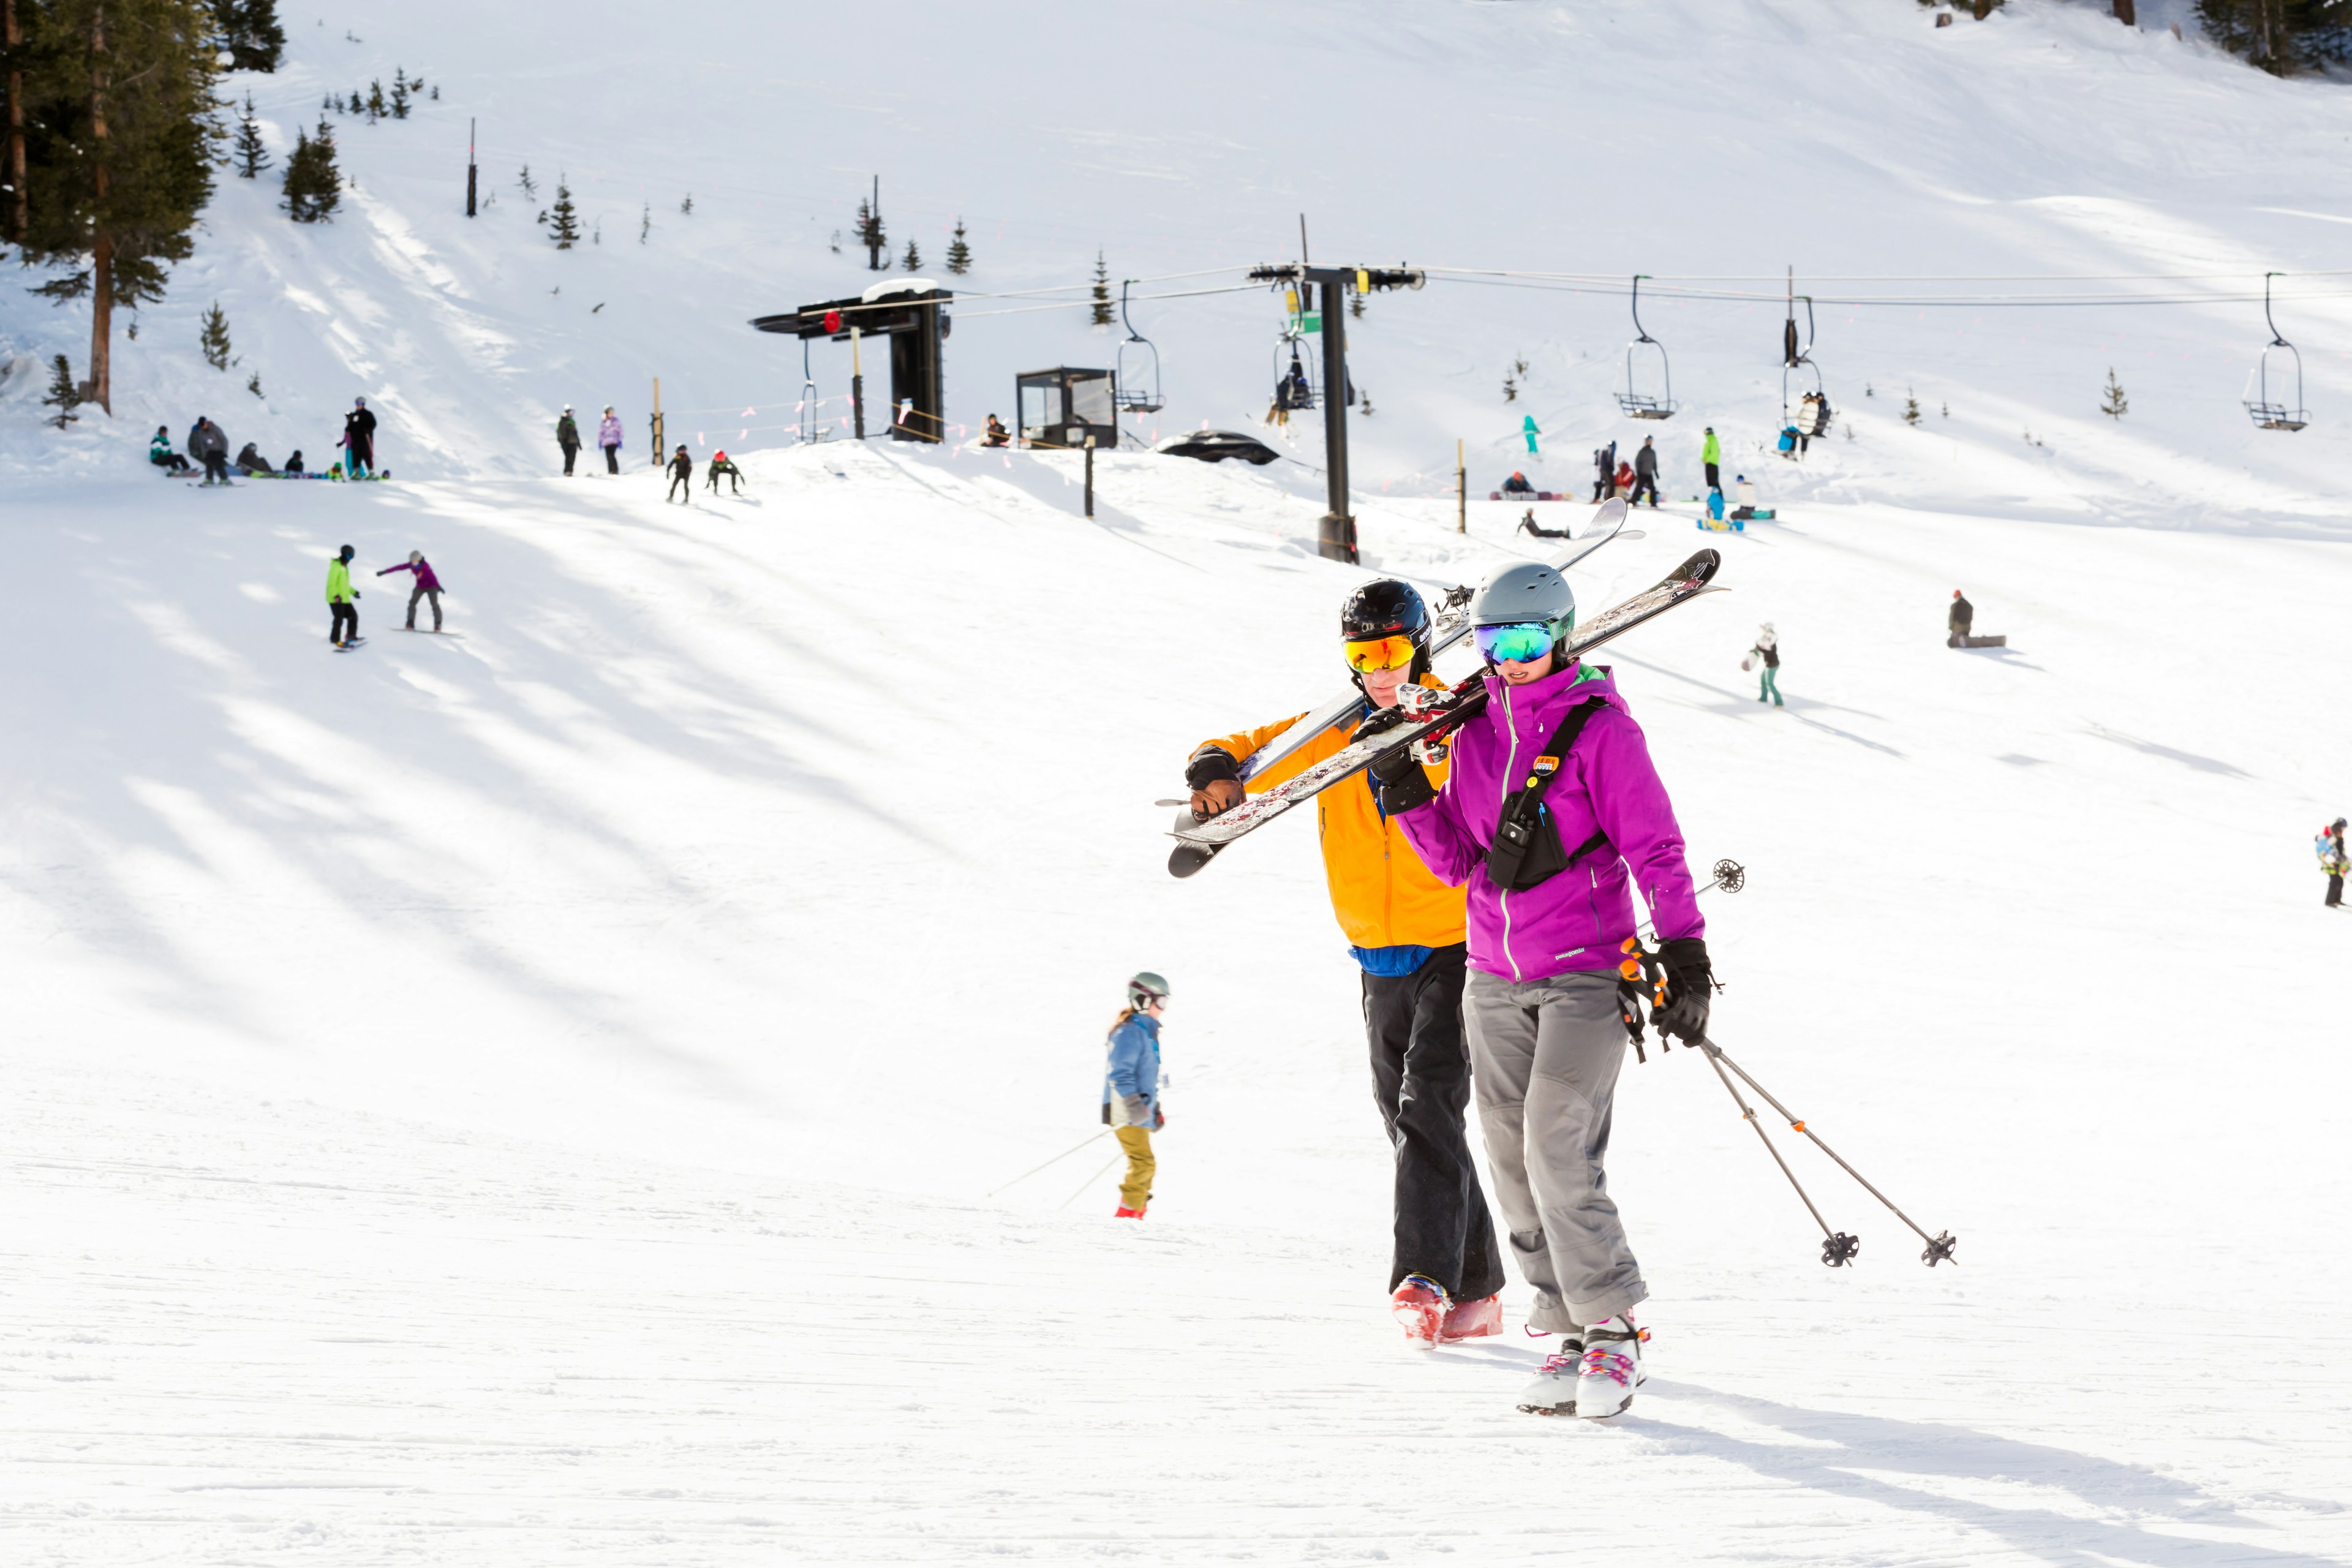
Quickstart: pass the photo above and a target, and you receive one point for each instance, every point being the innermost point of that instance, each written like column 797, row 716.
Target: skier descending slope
column 1405, row 928
column 1553, row 808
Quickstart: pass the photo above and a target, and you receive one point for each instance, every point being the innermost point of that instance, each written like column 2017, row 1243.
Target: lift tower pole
column 1323, row 288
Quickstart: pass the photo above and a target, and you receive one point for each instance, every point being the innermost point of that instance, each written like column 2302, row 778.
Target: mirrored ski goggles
column 1380, row 653
column 1518, row 643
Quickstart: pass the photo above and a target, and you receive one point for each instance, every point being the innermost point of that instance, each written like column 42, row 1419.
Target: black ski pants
column 678, row 479
column 570, row 455
column 611, row 459
column 1714, row 475
column 1420, row 1076
column 2335, row 889
column 215, row 469
column 421, row 591
column 347, row 615
column 1644, row 482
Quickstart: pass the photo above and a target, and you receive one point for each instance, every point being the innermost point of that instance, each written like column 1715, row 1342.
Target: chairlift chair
column 1649, row 389
column 1799, row 373
column 809, row 427
column 1297, row 380
column 2285, row 411
column 1138, row 366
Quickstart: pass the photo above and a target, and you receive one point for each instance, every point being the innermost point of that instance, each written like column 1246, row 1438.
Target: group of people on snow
column 208, row 446
column 680, row 468
column 608, row 435
column 342, row 599
column 1487, row 899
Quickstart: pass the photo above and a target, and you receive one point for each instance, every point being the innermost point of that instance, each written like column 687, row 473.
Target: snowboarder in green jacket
column 1710, row 452
column 341, row 600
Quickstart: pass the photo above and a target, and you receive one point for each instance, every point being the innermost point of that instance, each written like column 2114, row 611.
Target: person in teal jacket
column 342, row 600
column 1710, row 452
column 1131, row 1087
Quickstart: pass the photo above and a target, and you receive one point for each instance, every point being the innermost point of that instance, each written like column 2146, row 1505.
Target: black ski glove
column 1690, row 985
column 1215, row 781
column 1400, row 781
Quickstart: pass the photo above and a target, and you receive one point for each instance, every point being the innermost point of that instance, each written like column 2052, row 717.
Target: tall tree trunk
column 20, row 213
column 102, row 259
column 2126, row 12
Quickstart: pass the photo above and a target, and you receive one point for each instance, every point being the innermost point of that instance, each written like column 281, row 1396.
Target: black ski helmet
column 1386, row 608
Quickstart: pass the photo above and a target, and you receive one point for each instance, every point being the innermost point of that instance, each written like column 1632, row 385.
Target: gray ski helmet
column 1146, row 987
column 1529, row 590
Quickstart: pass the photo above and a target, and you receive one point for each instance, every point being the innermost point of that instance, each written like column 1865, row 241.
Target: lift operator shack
column 910, row 312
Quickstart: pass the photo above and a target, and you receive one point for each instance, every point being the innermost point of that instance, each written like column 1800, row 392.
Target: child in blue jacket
column 1131, row 1087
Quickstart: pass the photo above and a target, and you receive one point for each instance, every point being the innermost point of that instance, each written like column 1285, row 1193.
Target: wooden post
column 1461, row 491
column 1090, row 474
column 661, row 450
column 857, row 383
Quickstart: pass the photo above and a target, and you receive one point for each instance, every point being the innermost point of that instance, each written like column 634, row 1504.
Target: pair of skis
column 1199, row 842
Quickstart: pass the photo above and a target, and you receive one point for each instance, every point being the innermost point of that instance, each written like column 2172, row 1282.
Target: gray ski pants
column 1545, row 1055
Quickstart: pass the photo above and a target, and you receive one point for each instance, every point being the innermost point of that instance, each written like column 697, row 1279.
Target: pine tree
column 375, row 108
column 567, row 216
column 2112, row 401
column 872, row 234
column 64, row 395
column 686, row 208
column 646, row 223
column 1910, row 408
column 313, row 184
column 1356, row 305
column 252, row 157
column 119, row 137
column 959, row 253
column 913, row 259
column 214, row 338
column 329, row 103
column 1364, row 402
column 248, row 30
column 1510, row 387
column 1101, row 312
column 399, row 93
column 253, row 384
column 524, row 180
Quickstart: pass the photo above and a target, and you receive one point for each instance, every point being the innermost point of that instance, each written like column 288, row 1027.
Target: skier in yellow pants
column 1131, row 1087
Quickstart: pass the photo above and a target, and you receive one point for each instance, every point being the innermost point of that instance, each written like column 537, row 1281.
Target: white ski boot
column 1611, row 1369
column 1553, row 1392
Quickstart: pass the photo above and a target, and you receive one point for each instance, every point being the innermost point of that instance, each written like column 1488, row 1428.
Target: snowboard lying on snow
column 1200, row 842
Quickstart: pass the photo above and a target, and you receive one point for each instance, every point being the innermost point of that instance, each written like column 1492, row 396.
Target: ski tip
column 1187, row 859
column 1700, row 568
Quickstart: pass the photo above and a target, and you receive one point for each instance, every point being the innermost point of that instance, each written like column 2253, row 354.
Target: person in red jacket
column 427, row 586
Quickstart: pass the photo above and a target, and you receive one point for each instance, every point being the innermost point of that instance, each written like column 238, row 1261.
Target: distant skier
column 342, row 600
column 1766, row 654
column 721, row 463
column 567, row 436
column 250, row 460
column 1710, row 453
column 1645, row 474
column 681, row 472
column 426, row 586
column 1404, row 928
column 1131, row 1087
column 997, row 435
column 1527, row 428
column 1605, row 470
column 608, row 435
column 2332, row 860
column 207, row 444
column 1963, row 615
column 358, row 441
column 1546, row 1032
column 159, row 453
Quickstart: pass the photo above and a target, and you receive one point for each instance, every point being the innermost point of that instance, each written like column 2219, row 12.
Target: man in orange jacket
column 1406, row 929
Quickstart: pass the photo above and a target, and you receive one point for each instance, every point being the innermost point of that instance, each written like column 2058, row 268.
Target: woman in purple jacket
column 1556, row 757
column 608, row 435
column 426, row 585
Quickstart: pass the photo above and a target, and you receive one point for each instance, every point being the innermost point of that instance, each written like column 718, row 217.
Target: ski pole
column 1940, row 1247
column 1090, row 1181
column 1838, row 1248
column 1730, row 875
column 1055, row 1161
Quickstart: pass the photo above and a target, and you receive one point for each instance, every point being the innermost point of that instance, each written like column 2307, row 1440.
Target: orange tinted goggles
column 1380, row 653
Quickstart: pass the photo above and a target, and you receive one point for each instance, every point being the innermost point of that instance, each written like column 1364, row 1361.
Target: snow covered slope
column 556, row 1092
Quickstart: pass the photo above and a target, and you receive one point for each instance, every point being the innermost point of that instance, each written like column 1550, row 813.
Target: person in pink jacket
column 1553, row 815
column 608, row 435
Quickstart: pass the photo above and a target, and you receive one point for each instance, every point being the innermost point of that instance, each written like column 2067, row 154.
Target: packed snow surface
column 563, row 1089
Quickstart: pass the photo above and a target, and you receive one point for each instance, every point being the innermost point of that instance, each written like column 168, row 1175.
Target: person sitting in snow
column 681, row 472
column 159, row 453
column 250, row 461
column 294, row 463
column 997, row 435
column 1517, row 485
column 1131, row 1087
column 1962, row 616
column 722, row 464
